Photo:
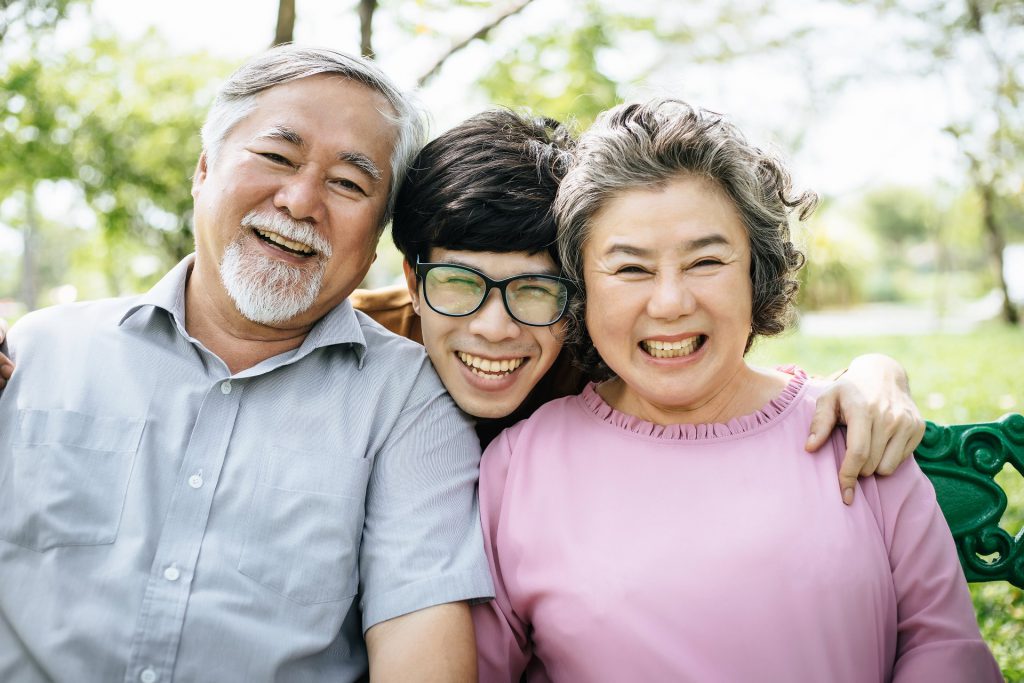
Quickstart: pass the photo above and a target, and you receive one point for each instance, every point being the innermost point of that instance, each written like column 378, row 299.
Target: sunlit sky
column 883, row 128
column 878, row 130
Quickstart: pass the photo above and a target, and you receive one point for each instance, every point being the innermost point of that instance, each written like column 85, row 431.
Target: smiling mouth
column 675, row 349
column 283, row 243
column 490, row 369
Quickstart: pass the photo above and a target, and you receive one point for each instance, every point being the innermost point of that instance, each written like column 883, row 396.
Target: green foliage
column 838, row 253
column 557, row 73
column 32, row 16
column 120, row 122
column 955, row 379
column 900, row 215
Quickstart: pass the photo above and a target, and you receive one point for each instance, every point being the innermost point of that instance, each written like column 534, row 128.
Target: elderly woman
column 666, row 524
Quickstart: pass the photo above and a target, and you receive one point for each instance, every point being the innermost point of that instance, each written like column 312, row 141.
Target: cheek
column 550, row 340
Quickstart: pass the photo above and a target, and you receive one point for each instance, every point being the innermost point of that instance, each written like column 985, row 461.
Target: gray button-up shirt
column 162, row 519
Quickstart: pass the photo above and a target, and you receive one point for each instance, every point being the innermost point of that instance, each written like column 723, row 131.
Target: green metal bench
column 962, row 462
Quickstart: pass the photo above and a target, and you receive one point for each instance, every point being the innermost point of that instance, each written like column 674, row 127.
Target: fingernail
column 848, row 496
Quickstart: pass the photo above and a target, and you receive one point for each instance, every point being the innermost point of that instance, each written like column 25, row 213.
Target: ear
column 412, row 284
column 200, row 175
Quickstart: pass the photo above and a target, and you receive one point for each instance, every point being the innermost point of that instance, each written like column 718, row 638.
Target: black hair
column 488, row 184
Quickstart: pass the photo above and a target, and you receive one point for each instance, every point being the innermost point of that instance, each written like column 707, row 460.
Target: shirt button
column 172, row 573
column 225, row 387
column 196, row 481
column 148, row 676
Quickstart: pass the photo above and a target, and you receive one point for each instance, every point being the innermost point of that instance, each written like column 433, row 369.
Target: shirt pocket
column 67, row 478
column 305, row 524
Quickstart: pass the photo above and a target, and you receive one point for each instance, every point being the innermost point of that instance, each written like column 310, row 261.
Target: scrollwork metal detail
column 962, row 462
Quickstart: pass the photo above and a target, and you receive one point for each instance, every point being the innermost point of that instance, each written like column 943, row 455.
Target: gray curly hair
column 647, row 145
column 286, row 63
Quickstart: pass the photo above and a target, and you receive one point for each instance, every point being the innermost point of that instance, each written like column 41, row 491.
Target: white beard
column 265, row 290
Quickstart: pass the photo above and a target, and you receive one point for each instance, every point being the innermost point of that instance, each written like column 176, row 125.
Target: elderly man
column 235, row 476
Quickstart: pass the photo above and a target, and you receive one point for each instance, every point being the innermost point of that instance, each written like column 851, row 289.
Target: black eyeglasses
column 457, row 291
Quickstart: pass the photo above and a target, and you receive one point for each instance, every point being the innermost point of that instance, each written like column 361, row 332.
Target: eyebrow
column 289, row 135
column 363, row 163
column 546, row 270
column 357, row 159
column 689, row 245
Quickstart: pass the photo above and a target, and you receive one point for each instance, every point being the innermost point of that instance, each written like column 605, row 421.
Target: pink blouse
column 627, row 551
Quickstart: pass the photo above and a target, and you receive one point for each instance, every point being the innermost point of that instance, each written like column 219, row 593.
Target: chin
column 485, row 410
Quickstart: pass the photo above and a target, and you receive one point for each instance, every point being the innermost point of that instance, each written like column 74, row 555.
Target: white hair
column 285, row 63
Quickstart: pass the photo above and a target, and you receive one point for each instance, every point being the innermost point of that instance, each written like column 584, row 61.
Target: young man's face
column 488, row 361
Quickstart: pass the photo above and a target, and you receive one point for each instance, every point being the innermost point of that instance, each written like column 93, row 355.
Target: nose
column 671, row 297
column 300, row 195
column 492, row 321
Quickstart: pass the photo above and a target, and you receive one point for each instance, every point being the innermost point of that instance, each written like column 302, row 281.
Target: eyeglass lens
column 534, row 300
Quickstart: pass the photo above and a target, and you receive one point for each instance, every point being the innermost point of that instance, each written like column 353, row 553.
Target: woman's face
column 667, row 274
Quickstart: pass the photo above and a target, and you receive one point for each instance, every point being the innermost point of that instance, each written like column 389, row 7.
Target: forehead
column 330, row 112
column 497, row 265
column 684, row 210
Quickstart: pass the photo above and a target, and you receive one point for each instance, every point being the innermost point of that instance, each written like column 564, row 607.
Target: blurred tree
column 32, row 16
column 118, row 121
column 900, row 216
column 285, row 31
column 988, row 37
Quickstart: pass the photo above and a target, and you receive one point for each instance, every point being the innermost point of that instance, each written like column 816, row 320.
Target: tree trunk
column 366, row 10
column 285, row 32
column 997, row 243
column 29, row 276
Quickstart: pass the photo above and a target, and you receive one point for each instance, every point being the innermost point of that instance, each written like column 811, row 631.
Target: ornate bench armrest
column 962, row 461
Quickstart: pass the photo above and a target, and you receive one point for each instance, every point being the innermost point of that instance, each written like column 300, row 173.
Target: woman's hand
column 883, row 424
column 6, row 365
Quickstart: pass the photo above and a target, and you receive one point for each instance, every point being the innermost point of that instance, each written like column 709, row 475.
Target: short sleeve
column 937, row 631
column 503, row 647
column 422, row 542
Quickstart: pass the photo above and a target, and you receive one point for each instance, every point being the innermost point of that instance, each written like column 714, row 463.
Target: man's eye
column 275, row 158
column 346, row 184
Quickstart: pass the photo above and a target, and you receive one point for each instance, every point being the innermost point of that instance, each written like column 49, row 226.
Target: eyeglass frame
column 501, row 285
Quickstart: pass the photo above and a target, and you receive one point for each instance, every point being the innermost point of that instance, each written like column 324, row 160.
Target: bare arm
column 6, row 365
column 432, row 644
column 883, row 424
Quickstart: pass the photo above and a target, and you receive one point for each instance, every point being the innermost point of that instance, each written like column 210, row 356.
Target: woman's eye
column 629, row 270
column 707, row 262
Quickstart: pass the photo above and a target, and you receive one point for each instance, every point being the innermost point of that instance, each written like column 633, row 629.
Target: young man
column 477, row 200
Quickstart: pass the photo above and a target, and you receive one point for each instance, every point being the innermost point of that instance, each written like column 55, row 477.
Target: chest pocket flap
column 66, row 481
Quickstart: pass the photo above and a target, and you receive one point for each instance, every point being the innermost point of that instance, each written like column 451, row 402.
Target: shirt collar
column 339, row 327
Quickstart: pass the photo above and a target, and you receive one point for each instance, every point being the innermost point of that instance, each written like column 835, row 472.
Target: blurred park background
column 906, row 115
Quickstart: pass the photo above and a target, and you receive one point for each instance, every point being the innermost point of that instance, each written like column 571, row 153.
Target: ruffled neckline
column 768, row 414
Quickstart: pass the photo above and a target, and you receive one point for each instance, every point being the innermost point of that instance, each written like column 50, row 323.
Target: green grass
column 955, row 379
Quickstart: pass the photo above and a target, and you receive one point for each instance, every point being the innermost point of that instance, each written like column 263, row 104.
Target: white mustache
column 289, row 228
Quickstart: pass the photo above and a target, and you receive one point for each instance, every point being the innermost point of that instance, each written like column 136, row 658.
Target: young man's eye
column 457, row 281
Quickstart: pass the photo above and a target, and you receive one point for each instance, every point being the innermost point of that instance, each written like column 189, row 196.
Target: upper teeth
column 283, row 241
column 488, row 365
column 664, row 349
